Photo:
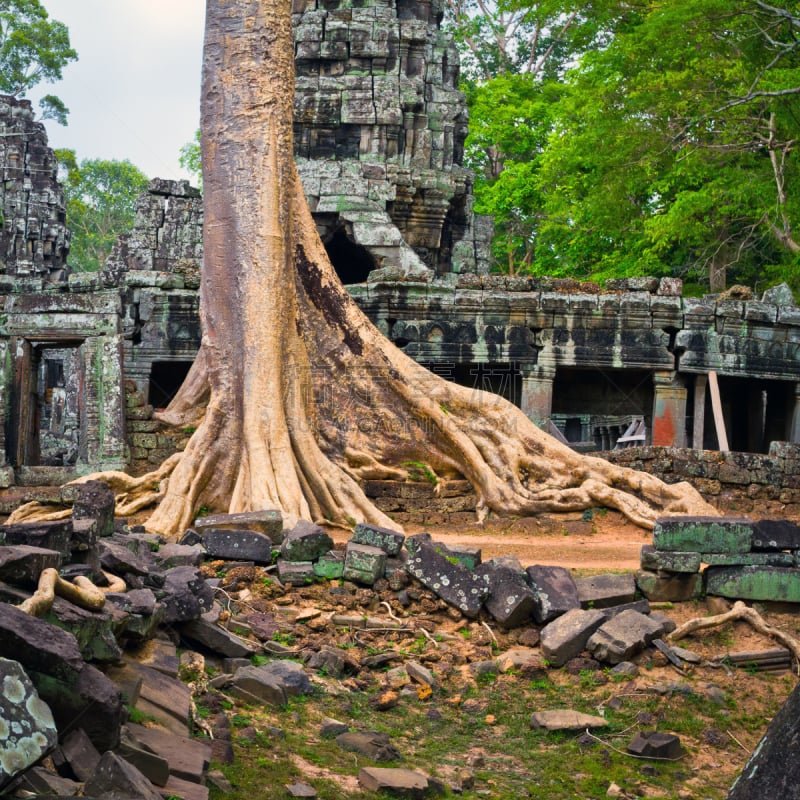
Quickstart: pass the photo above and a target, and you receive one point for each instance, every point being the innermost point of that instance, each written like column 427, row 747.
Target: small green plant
column 203, row 511
column 189, row 429
column 286, row 639
column 138, row 717
column 419, row 471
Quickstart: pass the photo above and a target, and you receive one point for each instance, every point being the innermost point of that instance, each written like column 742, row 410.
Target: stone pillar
column 537, row 394
column 669, row 411
column 794, row 432
column 700, row 383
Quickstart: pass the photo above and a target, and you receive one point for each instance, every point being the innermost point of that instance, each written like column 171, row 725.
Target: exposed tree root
column 82, row 593
column 739, row 612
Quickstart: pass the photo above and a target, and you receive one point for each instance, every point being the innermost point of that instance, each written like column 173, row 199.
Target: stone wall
column 33, row 237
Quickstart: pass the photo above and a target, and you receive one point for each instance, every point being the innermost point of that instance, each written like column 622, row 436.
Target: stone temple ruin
column 380, row 128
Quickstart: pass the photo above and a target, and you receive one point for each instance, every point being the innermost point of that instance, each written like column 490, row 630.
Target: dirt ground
column 603, row 542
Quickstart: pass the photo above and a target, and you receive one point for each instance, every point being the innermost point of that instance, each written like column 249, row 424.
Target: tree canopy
column 101, row 204
column 667, row 147
column 33, row 49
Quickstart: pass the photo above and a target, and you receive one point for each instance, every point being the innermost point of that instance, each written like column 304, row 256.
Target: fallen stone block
column 601, row 591
column 676, row 588
column 45, row 535
column 185, row 594
column 305, row 542
column 772, row 770
column 779, row 584
column 372, row 744
column 761, row 559
column 566, row 636
column 467, row 556
column 121, row 560
column 93, row 630
column 448, row 579
column 79, row 752
column 166, row 699
column 238, row 545
column 394, row 781
column 179, row 555
column 517, row 658
column 208, row 633
column 269, row 523
column 95, row 502
column 391, row 542
column 420, row 674
column 295, row 573
column 657, row 745
column 185, row 790
column 554, row 591
column 511, row 600
column 703, row 534
column 332, row 662
column 272, row 683
column 330, row 565
column 52, row 659
column 43, row 783
column 564, row 719
column 655, row 560
column 22, row 564
column 29, row 730
column 363, row 563
column 622, row 637
column 776, row 534
column 116, row 778
column 187, row 758
column 152, row 766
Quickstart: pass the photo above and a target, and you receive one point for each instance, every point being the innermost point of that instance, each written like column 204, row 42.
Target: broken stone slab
column 45, row 784
column 566, row 636
column 657, row 745
column 187, row 758
column 95, row 501
column 776, row 534
column 179, row 555
column 655, row 560
column 184, row 790
column 208, row 633
column 166, row 699
column 675, row 588
column 565, row 719
column 554, row 590
column 268, row 522
column 395, row 781
column 391, row 542
column 54, row 535
column 22, row 564
column 116, row 779
column 779, row 584
column 121, row 560
column 448, row 579
column 330, row 565
column 511, row 600
column 79, row 752
column 703, row 534
column 272, row 683
column 622, row 637
column 301, row 790
column 516, row 659
column 235, row 545
column 295, row 573
column 185, row 594
column 372, row 744
column 305, row 542
column 421, row 675
column 93, row 630
column 52, row 659
column 363, row 563
column 601, row 591
column 152, row 766
column 27, row 728
column 467, row 556
column 159, row 653
column 772, row 770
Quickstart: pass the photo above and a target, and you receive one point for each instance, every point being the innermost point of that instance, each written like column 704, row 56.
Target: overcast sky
column 134, row 91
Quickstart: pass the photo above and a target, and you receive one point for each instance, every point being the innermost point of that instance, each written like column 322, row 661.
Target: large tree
column 33, row 49
column 295, row 394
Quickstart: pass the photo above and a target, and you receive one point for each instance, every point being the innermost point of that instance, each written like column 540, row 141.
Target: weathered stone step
column 778, row 584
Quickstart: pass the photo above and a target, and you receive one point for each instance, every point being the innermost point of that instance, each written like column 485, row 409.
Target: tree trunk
column 295, row 394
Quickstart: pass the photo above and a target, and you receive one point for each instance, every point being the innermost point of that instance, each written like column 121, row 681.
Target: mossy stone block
column 666, row 561
column 364, row 564
column 779, row 584
column 703, row 534
column 330, row 566
column 750, row 559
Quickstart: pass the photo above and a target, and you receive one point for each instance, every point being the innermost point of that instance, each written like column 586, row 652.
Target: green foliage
column 101, row 204
column 190, row 158
column 418, row 471
column 33, row 49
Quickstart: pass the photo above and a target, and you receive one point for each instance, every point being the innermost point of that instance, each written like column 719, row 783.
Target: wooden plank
column 716, row 406
column 699, row 411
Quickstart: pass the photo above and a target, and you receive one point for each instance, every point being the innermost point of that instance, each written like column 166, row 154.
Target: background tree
column 33, row 49
column 674, row 148
column 101, row 204
column 191, row 159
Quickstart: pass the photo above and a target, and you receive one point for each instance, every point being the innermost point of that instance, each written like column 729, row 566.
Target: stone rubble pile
column 102, row 699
